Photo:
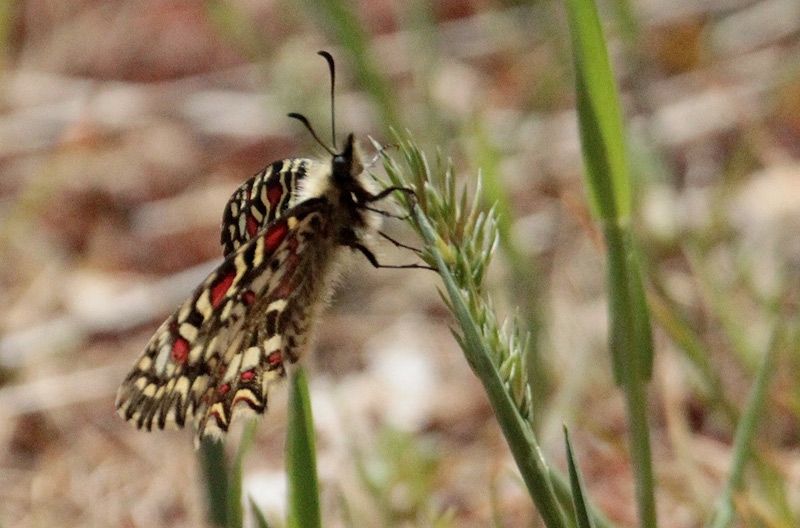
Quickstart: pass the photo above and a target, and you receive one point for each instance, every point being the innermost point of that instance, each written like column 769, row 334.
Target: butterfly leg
column 387, row 214
column 370, row 198
column 389, row 190
column 399, row 244
column 374, row 261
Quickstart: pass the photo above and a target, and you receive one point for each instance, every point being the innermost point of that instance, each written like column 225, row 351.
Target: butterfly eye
column 341, row 167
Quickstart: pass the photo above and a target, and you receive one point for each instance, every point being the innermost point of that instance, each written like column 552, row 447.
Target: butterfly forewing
column 219, row 352
column 260, row 200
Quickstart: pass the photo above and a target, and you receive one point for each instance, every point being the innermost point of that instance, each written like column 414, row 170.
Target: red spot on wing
column 252, row 226
column 225, row 388
column 249, row 297
column 283, row 290
column 247, row 375
column 220, row 288
column 274, row 193
column 275, row 235
column 275, row 358
column 180, row 350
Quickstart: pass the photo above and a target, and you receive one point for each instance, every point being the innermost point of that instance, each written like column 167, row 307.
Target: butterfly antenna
column 332, row 69
column 302, row 119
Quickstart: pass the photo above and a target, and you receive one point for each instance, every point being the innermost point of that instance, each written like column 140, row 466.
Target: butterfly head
column 347, row 164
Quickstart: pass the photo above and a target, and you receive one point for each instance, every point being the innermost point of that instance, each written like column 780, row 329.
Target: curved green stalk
column 745, row 432
column 517, row 431
column 459, row 242
column 301, row 459
column 608, row 186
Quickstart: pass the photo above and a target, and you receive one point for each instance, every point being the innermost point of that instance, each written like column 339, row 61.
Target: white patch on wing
column 203, row 305
column 188, row 332
column 252, row 356
column 259, row 254
column 233, row 369
column 273, row 343
column 242, row 225
column 145, row 362
column 163, row 358
column 280, row 304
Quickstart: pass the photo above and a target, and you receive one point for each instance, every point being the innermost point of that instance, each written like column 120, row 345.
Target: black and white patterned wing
column 260, row 200
column 218, row 354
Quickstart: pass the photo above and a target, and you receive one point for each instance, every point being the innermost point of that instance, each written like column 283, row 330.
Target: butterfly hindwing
column 220, row 351
column 278, row 329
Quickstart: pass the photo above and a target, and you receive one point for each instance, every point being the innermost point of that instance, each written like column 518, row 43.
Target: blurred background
column 125, row 126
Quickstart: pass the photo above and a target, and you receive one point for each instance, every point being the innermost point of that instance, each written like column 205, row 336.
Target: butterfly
column 283, row 233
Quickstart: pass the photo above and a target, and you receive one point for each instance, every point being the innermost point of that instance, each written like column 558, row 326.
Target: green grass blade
column 632, row 353
column 640, row 311
column 301, row 460
column 216, row 478
column 621, row 320
column 639, row 439
column 582, row 516
column 563, row 489
column 258, row 515
column 745, row 432
column 609, row 189
column 629, row 325
column 602, row 139
column 235, row 508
